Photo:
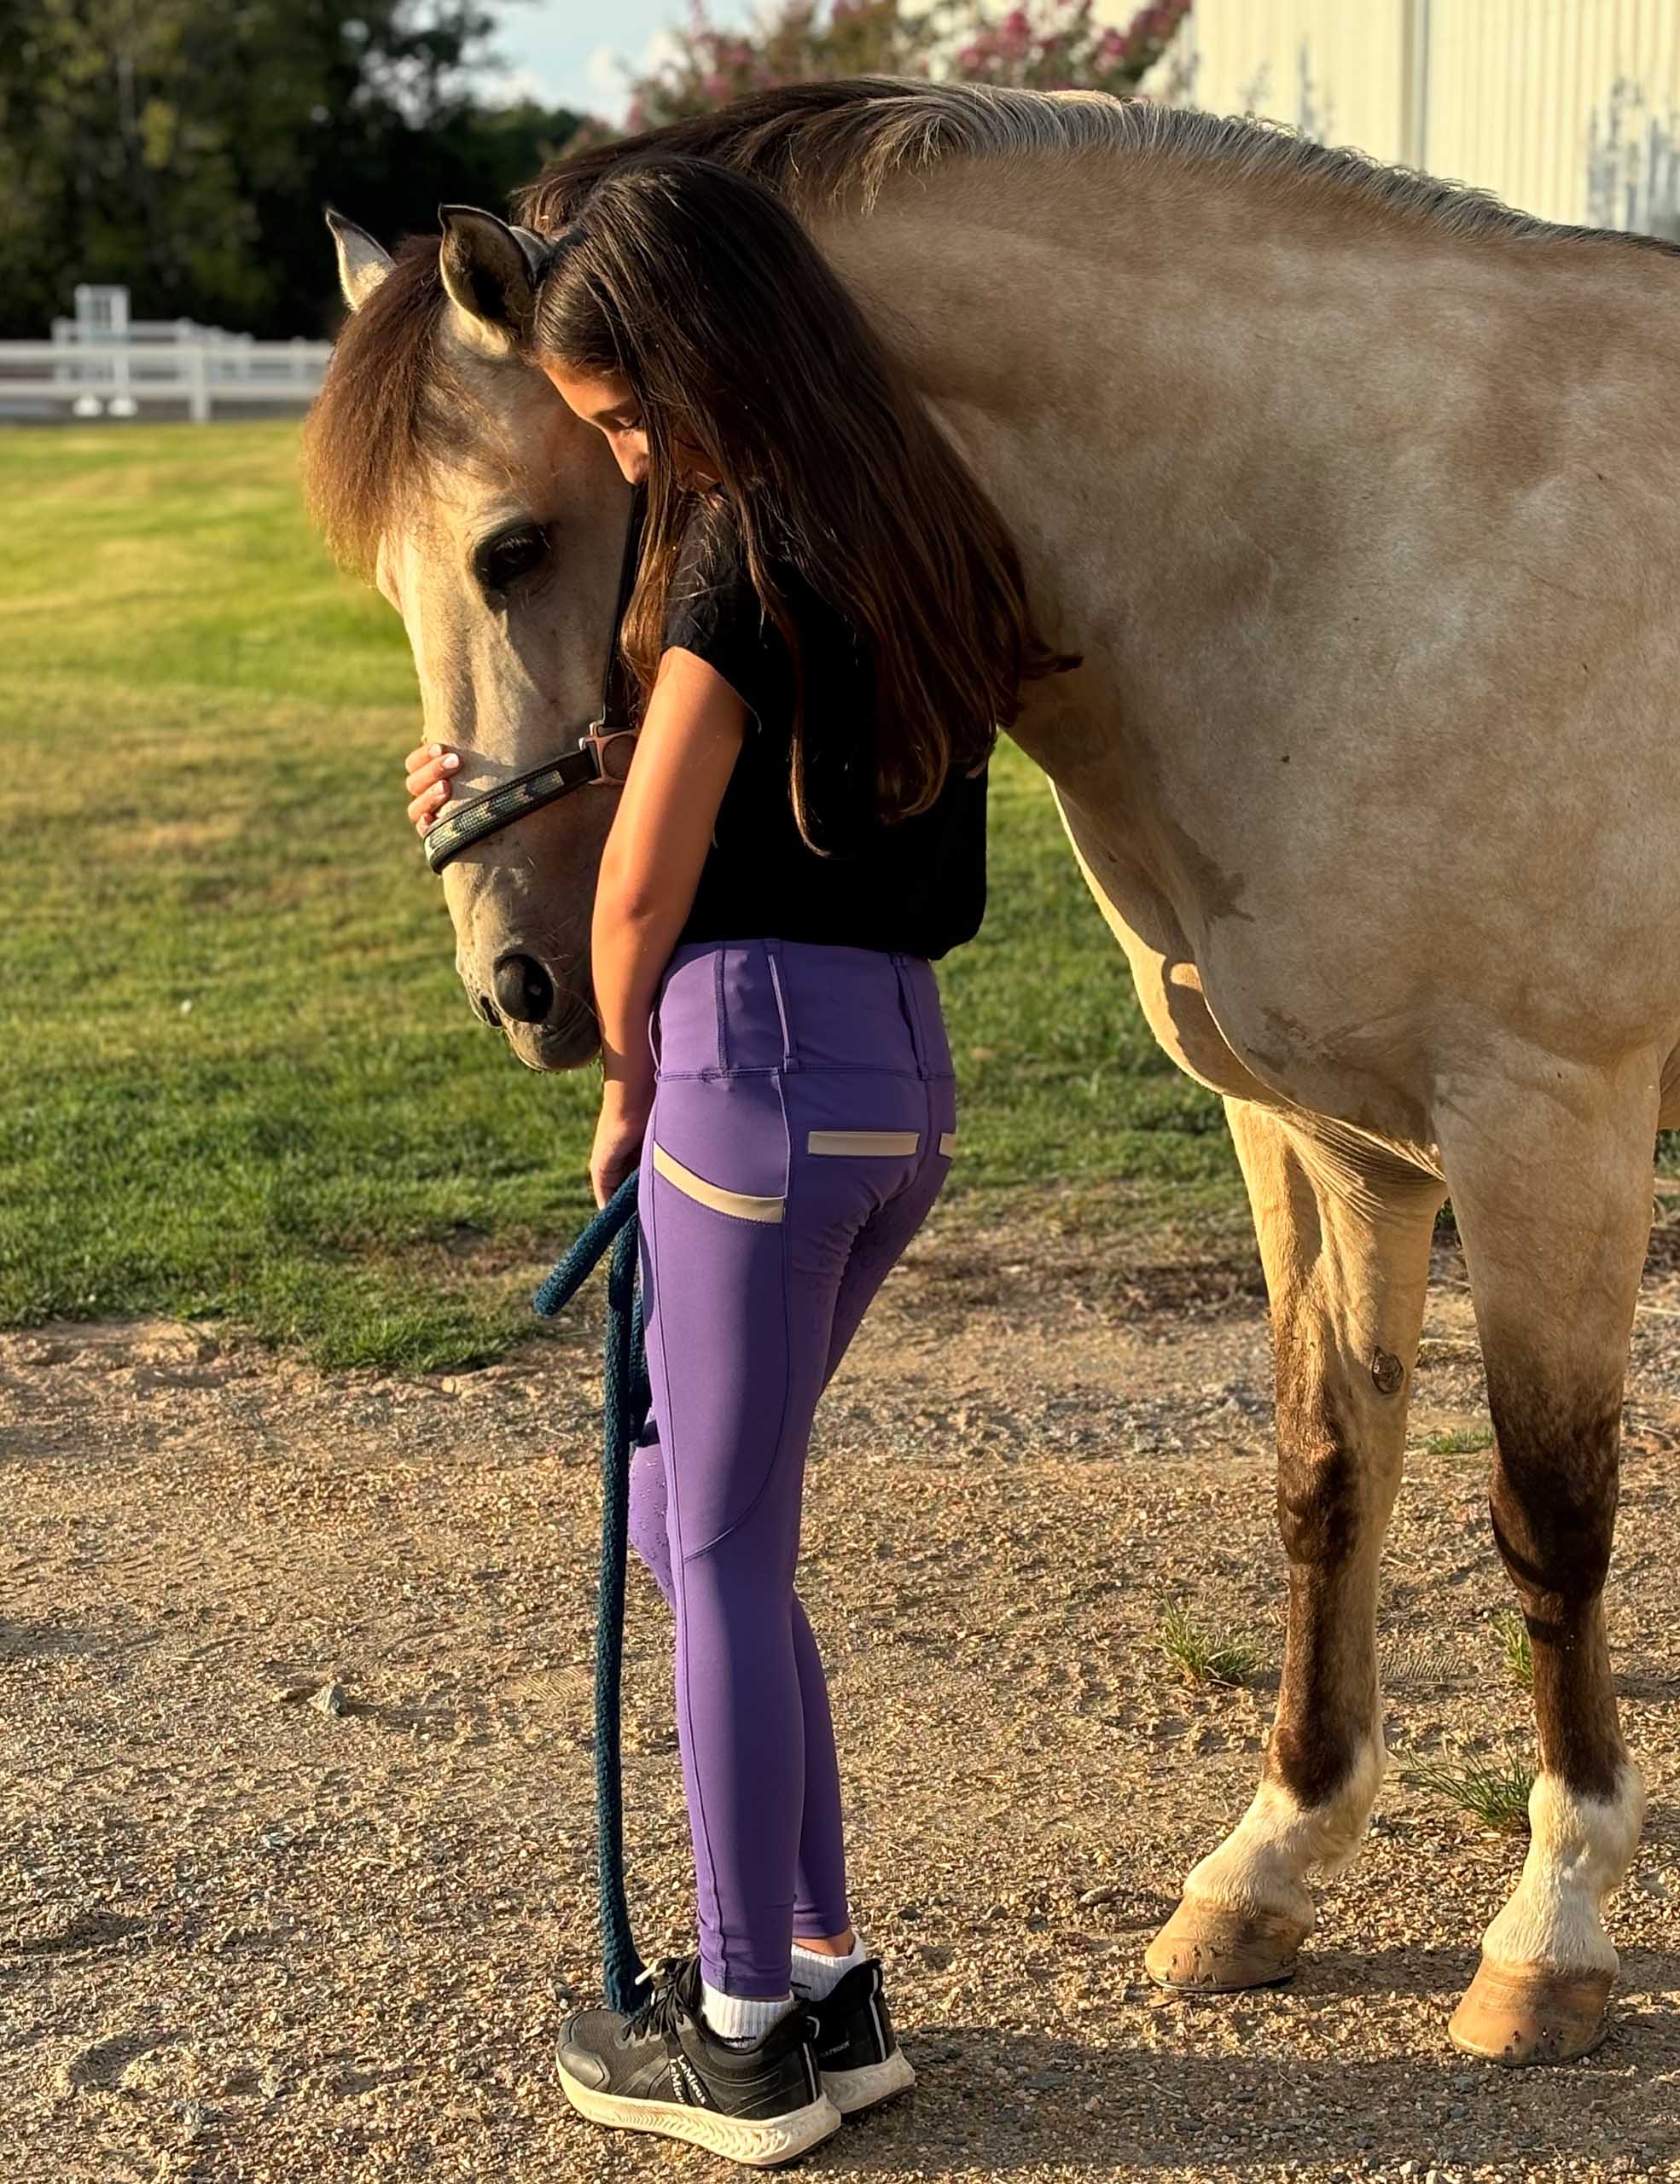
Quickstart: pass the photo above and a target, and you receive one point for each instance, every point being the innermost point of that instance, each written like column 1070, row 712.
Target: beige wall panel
column 1570, row 108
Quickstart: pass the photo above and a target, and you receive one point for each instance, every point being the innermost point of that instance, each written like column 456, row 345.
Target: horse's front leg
column 1344, row 1240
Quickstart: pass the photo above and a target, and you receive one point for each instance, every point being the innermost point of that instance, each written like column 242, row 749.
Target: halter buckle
column 611, row 766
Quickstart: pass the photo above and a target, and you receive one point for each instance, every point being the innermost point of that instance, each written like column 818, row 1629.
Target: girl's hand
column 623, row 1125
column 431, row 772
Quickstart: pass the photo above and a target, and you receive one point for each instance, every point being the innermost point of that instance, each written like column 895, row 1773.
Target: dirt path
column 244, row 1938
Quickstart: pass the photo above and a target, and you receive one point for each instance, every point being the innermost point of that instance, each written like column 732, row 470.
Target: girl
column 828, row 626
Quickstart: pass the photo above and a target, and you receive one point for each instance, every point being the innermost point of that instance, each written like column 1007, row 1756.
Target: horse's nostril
column 488, row 1010
column 524, row 990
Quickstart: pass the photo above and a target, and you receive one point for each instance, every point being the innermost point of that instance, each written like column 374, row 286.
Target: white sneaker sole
column 754, row 2144
column 850, row 2090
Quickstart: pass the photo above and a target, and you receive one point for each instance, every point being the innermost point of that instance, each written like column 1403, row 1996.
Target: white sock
column 743, row 2019
column 816, row 1975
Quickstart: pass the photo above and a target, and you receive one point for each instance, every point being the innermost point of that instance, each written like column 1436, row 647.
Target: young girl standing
column 828, row 626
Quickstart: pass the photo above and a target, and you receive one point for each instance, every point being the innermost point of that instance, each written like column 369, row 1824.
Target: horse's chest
column 1226, row 1018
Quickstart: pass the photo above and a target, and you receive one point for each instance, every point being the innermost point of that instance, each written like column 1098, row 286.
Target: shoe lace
column 665, row 2005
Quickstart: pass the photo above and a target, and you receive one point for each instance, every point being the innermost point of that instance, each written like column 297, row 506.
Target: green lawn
column 238, row 1075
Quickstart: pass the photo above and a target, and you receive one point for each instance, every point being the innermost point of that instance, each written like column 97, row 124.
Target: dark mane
column 390, row 405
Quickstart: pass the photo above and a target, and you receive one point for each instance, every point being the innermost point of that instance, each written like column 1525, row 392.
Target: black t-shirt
column 917, row 885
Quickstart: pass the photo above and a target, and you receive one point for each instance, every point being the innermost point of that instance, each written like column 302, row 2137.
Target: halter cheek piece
column 603, row 752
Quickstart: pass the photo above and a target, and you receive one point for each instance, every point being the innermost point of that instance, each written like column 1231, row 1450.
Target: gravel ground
column 246, row 1936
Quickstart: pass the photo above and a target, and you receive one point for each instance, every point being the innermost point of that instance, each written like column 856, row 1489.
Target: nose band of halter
column 602, row 754
column 596, row 759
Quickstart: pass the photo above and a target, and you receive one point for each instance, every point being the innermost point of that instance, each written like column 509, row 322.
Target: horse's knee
column 1322, row 1464
column 1552, row 1497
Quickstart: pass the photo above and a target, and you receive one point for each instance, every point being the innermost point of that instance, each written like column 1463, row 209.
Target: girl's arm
column 650, row 868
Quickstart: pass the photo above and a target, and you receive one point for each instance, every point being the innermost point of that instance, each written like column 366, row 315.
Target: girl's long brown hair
column 740, row 343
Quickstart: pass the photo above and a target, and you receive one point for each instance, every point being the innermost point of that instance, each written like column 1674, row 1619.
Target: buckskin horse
column 1355, row 491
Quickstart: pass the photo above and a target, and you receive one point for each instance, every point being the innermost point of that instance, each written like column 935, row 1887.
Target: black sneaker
column 858, row 2051
column 663, row 2069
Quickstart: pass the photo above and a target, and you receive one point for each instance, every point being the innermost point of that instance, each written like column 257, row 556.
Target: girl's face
column 609, row 404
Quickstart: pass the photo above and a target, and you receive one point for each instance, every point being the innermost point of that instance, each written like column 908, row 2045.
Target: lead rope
column 625, row 1405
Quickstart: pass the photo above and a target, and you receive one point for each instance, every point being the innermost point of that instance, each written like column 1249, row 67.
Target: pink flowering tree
column 1047, row 45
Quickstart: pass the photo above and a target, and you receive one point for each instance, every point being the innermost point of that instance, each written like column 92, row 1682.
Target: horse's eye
column 500, row 561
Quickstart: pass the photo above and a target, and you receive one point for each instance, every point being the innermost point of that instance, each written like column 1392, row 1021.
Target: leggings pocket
column 741, row 1205
column 724, row 1142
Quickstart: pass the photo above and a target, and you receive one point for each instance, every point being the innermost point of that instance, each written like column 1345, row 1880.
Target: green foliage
column 1518, row 1649
column 1459, row 1441
column 238, row 1075
column 186, row 148
column 1201, row 1655
column 1048, row 45
column 1493, row 1790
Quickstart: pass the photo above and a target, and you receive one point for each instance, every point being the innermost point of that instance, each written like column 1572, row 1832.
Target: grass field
column 238, row 1075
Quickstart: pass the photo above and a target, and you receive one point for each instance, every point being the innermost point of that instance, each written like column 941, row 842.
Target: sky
column 568, row 52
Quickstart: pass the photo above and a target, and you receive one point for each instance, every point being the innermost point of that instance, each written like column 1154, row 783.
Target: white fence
column 103, row 364
column 115, row 378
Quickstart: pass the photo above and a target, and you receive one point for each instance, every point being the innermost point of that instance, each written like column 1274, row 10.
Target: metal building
column 1570, row 108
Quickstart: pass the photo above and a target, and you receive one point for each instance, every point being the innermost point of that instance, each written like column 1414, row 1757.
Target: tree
column 186, row 147
column 1047, row 45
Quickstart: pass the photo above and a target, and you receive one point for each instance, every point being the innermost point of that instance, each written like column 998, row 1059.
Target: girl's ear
column 491, row 272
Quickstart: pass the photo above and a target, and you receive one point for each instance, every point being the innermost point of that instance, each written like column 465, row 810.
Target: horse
column 1355, row 492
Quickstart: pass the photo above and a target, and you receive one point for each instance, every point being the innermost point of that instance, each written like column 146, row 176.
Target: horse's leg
column 1552, row 1192
column 1344, row 1240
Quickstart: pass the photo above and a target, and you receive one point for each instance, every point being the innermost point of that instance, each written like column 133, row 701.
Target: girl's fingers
column 434, row 763
column 426, row 806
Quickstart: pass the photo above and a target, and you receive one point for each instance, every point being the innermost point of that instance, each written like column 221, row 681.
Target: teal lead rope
column 624, row 1414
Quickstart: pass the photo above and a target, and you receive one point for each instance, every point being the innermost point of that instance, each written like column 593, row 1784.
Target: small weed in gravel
column 1495, row 1789
column 1519, row 1653
column 1460, row 1441
column 1200, row 1655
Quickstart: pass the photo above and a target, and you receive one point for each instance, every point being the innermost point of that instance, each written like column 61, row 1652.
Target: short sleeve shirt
column 916, row 885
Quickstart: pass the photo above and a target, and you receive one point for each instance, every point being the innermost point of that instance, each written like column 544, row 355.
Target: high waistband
column 726, row 1007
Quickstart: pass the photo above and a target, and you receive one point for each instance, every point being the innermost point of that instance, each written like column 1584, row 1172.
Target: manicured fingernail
column 451, row 763
column 434, row 750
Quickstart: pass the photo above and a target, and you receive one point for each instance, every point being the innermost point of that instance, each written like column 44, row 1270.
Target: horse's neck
column 1066, row 324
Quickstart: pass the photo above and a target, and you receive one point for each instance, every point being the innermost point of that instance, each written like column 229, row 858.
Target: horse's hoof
column 1208, row 1948
column 1517, row 2014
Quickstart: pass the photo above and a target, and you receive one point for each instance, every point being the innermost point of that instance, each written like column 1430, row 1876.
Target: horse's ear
column 363, row 263
column 491, row 270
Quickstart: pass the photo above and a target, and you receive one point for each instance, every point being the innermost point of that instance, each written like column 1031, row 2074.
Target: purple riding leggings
column 802, row 1124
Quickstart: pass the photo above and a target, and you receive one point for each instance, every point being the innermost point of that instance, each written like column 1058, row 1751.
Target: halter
column 603, row 752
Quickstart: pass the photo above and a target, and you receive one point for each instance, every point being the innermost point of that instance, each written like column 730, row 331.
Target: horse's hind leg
column 1345, row 1240
column 1552, row 1192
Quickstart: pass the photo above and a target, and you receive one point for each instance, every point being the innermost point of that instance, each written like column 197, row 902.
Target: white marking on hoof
column 1580, row 1849
column 1262, row 1864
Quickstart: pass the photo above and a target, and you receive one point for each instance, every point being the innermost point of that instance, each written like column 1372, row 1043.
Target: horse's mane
column 385, row 411
column 838, row 144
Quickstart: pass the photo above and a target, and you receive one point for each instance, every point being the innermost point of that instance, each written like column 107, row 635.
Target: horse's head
column 493, row 521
